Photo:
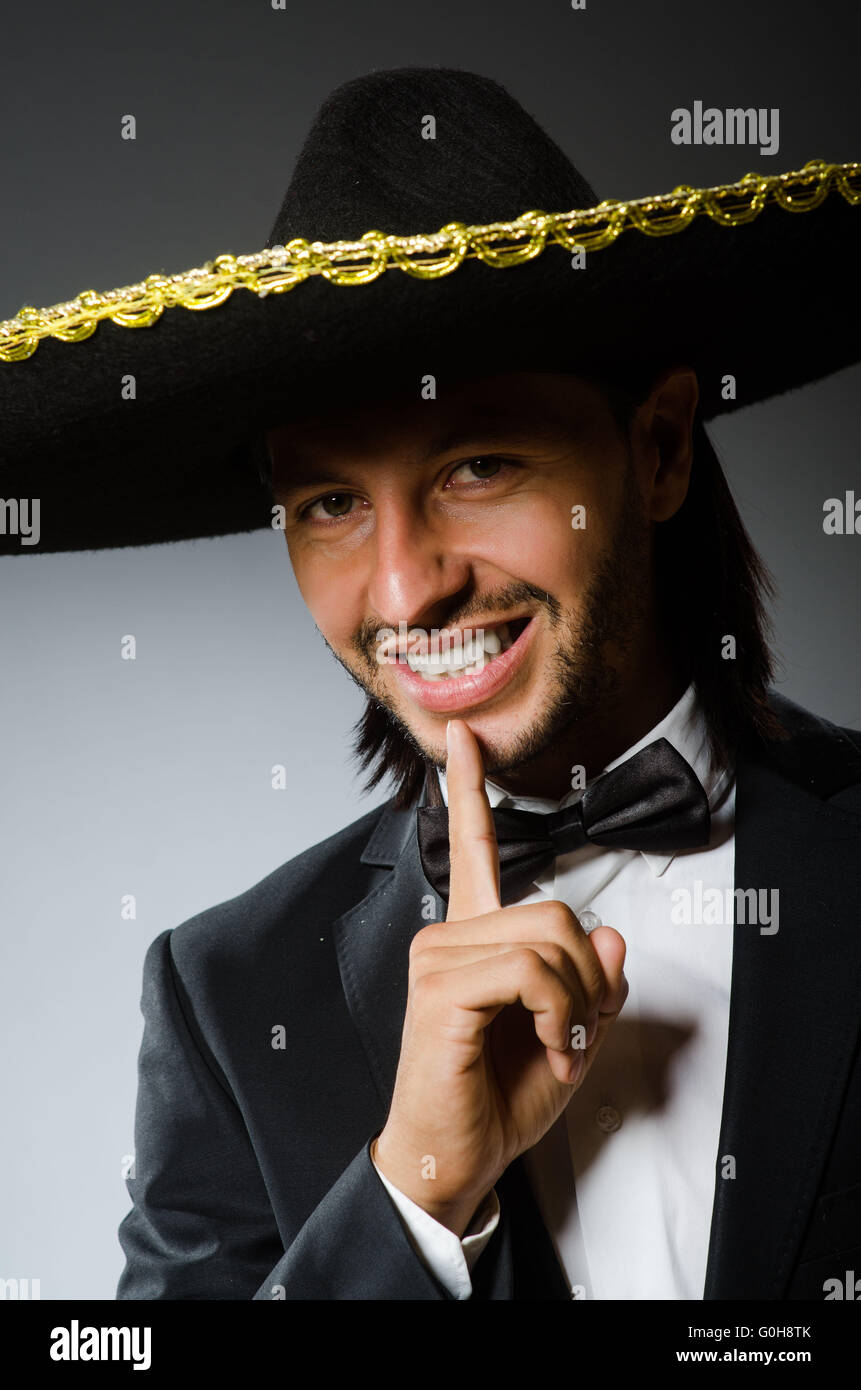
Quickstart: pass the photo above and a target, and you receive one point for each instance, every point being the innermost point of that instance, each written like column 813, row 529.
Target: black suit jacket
column 253, row 1178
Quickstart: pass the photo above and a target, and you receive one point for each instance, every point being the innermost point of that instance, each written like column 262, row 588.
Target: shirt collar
column 684, row 726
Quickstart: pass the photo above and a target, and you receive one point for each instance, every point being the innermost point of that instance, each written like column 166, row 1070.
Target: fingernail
column 591, row 1029
column 575, row 1067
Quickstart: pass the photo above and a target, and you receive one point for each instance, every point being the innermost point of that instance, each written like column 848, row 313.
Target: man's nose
column 416, row 565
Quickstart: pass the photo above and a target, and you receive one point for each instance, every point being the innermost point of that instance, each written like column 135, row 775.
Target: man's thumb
column 610, row 949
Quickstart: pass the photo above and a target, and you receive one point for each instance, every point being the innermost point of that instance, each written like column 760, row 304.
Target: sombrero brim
column 772, row 298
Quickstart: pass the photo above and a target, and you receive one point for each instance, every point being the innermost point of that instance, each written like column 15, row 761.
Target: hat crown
column 366, row 163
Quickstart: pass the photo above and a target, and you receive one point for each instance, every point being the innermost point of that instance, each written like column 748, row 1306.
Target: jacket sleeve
column 202, row 1225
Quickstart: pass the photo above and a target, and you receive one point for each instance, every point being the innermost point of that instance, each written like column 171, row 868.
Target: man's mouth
column 464, row 653
column 468, row 668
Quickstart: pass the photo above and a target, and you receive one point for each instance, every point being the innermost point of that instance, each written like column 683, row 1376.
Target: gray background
column 152, row 777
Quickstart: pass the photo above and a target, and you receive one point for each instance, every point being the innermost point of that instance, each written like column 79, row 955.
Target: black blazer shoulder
column 819, row 756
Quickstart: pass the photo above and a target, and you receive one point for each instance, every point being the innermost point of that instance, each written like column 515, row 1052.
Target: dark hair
column 713, row 584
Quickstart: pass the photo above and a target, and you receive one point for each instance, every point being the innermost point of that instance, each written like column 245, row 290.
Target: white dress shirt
column 625, row 1178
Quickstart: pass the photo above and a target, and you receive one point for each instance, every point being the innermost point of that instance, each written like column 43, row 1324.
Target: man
column 588, row 1028
column 391, row 1161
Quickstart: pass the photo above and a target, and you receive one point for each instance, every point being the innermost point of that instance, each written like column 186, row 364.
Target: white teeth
column 467, row 658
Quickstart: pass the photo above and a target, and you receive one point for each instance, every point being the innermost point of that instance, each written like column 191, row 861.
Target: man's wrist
column 455, row 1214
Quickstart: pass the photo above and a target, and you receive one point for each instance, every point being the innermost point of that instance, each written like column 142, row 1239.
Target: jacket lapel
column 793, row 1014
column 373, row 941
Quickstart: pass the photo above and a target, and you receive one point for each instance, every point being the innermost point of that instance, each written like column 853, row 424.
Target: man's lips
column 463, row 692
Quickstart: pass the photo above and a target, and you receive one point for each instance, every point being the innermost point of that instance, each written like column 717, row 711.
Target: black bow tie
column 652, row 802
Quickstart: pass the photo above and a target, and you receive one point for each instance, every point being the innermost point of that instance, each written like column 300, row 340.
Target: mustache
column 364, row 641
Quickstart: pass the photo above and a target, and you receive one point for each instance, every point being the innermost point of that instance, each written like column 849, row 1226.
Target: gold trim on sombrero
column 427, row 256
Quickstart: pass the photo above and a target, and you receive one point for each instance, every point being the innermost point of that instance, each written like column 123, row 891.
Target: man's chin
column 506, row 740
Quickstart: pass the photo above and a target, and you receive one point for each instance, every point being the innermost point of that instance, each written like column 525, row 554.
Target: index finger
column 473, row 853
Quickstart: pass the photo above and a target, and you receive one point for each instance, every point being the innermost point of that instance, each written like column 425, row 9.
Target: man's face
column 513, row 507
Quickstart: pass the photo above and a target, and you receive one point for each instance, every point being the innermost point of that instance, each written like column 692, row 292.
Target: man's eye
column 333, row 505
column 481, row 468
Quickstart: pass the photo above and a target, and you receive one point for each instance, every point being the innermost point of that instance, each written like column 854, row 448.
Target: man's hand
column 486, row 1062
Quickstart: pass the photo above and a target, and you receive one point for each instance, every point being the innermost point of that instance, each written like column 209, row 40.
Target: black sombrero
column 137, row 415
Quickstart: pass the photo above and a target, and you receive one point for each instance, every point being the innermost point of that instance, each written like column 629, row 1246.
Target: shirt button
column 608, row 1118
column 589, row 920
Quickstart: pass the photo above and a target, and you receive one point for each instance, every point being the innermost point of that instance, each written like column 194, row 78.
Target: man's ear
column 662, row 440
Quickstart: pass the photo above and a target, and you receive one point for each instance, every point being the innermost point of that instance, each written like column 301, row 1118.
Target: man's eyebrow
column 514, row 431
column 486, row 429
column 299, row 474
